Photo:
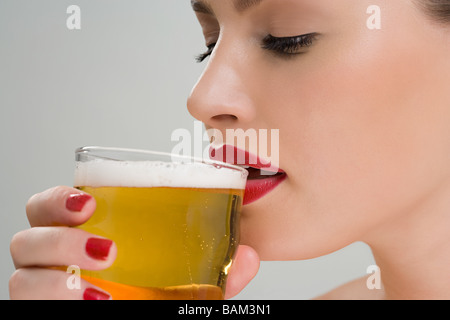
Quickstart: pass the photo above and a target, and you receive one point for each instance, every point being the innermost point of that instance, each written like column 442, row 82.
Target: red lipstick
column 263, row 177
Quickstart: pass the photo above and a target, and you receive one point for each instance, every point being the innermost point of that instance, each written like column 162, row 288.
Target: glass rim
column 90, row 150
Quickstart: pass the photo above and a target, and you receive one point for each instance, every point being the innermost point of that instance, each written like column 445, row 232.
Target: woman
column 359, row 93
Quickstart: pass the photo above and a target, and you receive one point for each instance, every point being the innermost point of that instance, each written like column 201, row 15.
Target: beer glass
column 175, row 221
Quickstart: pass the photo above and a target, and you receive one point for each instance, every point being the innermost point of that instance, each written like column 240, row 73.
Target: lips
column 263, row 177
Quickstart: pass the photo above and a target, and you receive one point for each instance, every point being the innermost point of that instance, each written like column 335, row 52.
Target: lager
column 176, row 226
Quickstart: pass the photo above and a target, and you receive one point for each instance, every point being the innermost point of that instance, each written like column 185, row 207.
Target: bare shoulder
column 353, row 290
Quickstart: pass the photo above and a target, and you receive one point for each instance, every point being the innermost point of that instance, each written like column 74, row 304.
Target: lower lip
column 258, row 188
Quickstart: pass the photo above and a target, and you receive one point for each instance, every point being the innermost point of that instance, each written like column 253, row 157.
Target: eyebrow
column 239, row 5
column 201, row 7
column 242, row 5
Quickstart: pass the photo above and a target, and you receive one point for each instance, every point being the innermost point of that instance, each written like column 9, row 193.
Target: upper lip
column 232, row 155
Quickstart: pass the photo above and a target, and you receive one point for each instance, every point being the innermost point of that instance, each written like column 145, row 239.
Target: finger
column 244, row 268
column 60, row 206
column 37, row 283
column 61, row 246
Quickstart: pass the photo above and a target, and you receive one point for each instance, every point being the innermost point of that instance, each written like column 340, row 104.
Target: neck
column 413, row 252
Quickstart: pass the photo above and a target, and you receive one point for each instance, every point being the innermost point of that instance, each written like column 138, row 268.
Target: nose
column 222, row 97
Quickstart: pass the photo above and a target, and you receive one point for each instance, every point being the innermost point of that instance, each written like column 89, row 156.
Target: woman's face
column 363, row 114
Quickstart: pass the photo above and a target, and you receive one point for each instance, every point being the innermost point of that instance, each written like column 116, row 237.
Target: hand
column 51, row 243
column 244, row 268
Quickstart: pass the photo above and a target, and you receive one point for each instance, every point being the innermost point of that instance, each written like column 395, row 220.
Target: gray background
column 122, row 80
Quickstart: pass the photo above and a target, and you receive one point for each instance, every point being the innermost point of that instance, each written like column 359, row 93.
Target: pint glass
column 175, row 221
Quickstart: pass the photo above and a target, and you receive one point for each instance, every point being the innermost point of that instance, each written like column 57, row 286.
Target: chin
column 284, row 230
column 271, row 228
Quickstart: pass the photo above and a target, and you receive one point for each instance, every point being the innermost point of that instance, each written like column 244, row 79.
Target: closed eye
column 288, row 45
column 285, row 46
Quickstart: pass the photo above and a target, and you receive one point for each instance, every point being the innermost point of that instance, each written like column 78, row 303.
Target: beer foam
column 110, row 173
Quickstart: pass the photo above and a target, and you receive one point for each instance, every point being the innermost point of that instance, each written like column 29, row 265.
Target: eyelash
column 283, row 46
column 203, row 56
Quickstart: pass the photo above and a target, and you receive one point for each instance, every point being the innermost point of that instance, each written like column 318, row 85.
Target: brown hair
column 437, row 9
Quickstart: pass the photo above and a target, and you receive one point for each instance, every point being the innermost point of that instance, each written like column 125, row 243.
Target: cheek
column 373, row 142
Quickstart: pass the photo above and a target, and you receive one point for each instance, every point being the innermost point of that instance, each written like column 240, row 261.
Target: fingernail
column 98, row 248
column 76, row 202
column 92, row 294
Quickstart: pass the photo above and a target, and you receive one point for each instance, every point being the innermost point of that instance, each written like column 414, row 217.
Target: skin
column 364, row 124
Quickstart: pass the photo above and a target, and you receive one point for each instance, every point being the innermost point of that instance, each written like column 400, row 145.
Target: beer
column 176, row 226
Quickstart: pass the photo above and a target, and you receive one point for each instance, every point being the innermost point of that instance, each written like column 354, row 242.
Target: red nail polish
column 92, row 294
column 98, row 248
column 76, row 202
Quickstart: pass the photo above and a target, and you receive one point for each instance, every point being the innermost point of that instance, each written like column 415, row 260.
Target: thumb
column 243, row 270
